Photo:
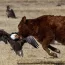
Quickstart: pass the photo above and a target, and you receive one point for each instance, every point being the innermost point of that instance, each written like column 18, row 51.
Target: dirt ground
column 30, row 9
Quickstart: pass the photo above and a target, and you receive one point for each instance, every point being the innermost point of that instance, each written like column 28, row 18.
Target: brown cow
column 45, row 29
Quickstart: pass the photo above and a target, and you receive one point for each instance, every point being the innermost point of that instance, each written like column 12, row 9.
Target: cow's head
column 21, row 25
column 28, row 25
column 24, row 19
column 22, row 22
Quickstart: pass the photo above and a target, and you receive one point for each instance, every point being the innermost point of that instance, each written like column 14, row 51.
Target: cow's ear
column 24, row 19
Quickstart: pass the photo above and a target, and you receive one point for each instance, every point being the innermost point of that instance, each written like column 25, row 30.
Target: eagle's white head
column 14, row 36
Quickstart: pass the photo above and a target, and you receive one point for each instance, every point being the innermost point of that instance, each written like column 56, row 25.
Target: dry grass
column 30, row 9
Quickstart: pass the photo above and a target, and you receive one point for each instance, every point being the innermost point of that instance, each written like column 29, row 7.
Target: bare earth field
column 30, row 9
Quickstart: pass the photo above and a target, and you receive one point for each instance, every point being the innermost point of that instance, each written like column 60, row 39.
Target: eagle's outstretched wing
column 16, row 46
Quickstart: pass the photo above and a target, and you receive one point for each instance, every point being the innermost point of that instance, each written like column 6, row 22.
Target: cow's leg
column 45, row 47
column 48, row 39
column 54, row 49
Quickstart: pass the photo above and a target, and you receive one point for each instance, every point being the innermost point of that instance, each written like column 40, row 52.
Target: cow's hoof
column 54, row 55
column 58, row 51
